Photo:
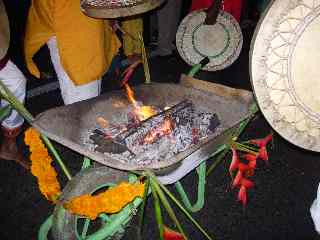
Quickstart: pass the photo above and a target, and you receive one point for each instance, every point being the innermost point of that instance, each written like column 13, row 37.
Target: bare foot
column 9, row 151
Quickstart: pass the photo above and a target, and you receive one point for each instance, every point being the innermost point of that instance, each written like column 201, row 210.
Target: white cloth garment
column 15, row 81
column 70, row 92
column 315, row 211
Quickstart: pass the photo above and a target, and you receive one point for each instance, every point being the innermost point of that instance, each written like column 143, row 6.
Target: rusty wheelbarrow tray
column 67, row 124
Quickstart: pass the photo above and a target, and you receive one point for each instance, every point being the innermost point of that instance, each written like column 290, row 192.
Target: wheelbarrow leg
column 201, row 171
column 45, row 228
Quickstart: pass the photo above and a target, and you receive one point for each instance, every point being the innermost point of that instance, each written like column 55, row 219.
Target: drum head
column 117, row 8
column 221, row 42
column 4, row 31
column 284, row 61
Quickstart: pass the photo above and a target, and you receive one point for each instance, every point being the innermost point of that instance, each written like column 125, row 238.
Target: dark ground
column 278, row 206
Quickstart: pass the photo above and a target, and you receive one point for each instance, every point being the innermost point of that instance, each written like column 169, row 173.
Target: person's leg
column 168, row 20
column 11, row 127
column 70, row 92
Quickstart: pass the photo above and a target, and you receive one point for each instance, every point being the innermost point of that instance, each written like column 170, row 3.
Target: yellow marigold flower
column 111, row 201
column 41, row 165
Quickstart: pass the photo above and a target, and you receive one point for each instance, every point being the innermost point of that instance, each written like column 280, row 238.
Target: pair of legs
column 168, row 17
column 14, row 79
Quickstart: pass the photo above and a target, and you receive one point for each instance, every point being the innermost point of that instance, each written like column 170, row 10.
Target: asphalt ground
column 278, row 205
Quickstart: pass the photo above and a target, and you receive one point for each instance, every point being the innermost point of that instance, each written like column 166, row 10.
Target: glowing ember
column 118, row 104
column 142, row 112
column 102, row 122
column 165, row 128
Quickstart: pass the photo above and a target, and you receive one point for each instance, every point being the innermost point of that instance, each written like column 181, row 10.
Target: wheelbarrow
column 68, row 124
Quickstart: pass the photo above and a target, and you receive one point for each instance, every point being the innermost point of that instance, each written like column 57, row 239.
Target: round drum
column 221, row 42
column 284, row 61
column 4, row 31
column 117, row 8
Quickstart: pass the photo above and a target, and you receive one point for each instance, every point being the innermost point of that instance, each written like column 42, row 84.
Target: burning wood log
column 168, row 132
column 180, row 113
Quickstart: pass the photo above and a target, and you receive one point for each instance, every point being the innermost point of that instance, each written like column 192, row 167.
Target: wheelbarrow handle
column 213, row 12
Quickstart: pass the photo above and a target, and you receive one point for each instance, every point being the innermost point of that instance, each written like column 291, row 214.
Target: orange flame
column 145, row 112
column 165, row 128
column 130, row 95
column 142, row 112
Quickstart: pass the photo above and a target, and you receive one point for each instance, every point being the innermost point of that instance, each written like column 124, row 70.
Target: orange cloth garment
column 86, row 45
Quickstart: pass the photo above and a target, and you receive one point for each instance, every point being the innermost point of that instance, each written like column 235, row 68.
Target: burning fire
column 142, row 112
column 165, row 128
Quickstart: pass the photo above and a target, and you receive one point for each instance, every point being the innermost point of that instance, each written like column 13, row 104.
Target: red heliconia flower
column 237, row 179
column 244, row 167
column 242, row 195
column 263, row 141
column 235, row 160
column 250, row 157
column 169, row 234
column 246, row 183
column 252, row 165
column 263, row 154
column 262, row 144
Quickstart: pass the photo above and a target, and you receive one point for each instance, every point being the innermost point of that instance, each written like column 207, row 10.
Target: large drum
column 284, row 60
column 221, row 43
column 4, row 31
column 117, row 8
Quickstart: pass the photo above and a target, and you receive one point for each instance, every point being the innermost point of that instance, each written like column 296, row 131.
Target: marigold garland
column 41, row 165
column 110, row 201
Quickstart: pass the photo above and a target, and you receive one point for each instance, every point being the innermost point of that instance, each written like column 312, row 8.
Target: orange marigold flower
column 41, row 165
column 111, row 201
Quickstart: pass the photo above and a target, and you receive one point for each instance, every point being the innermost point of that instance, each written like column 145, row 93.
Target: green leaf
column 154, row 184
column 4, row 112
column 153, row 178
column 157, row 210
column 143, row 206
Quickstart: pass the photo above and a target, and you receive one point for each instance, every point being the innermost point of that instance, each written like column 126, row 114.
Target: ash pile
column 156, row 138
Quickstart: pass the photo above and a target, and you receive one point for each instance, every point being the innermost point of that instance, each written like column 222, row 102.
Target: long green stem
column 245, row 147
column 145, row 61
column 4, row 112
column 157, row 210
column 179, row 205
column 217, row 161
column 166, row 205
column 57, row 156
column 143, row 206
column 17, row 105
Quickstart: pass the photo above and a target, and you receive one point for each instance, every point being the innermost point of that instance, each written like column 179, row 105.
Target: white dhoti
column 71, row 93
column 15, row 81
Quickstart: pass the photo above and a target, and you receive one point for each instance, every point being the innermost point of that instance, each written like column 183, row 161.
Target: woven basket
column 4, row 31
column 285, row 76
column 117, row 8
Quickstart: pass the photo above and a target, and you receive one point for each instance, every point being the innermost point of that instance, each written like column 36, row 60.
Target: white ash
column 180, row 139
